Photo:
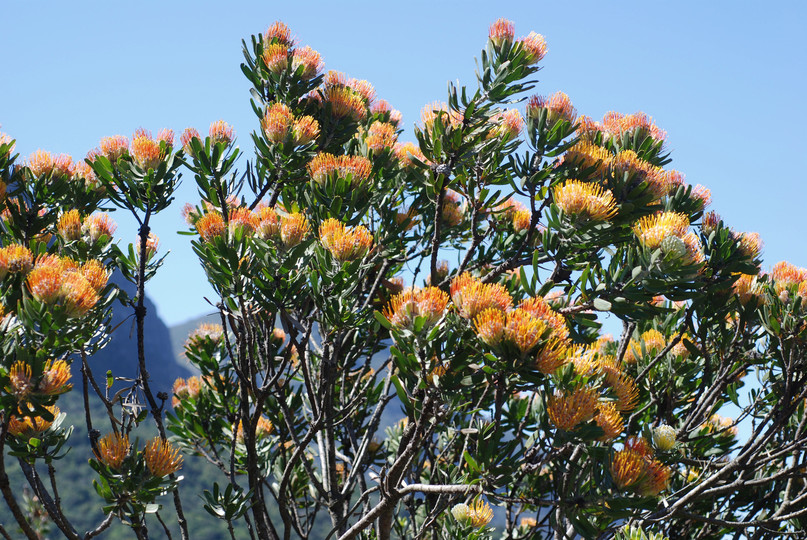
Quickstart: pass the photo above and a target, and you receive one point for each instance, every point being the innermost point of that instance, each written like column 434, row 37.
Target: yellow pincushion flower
column 569, row 409
column 380, row 136
column 277, row 122
column 112, row 449
column 664, row 437
column 345, row 243
column 627, row 468
column 652, row 230
column 405, row 307
column 609, row 419
column 472, row 297
column 69, row 225
column 145, row 152
column 293, row 229
column 585, row 200
column 161, row 458
column 55, row 377
column 15, row 258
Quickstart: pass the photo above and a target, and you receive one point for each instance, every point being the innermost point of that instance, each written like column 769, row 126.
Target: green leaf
column 471, row 462
column 602, row 305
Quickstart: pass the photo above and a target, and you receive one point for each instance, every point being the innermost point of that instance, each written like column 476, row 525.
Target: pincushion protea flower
column 221, row 132
column 535, row 47
column 277, row 122
column 381, row 136
column 276, row 57
column 583, row 200
column 210, row 226
column 161, row 458
column 21, row 425
column 324, row 167
column 69, row 225
column 310, row 61
column 146, row 152
column 558, row 108
column 502, row 31
column 627, row 468
column 112, row 449
column 15, row 258
column 609, row 419
column 616, row 124
column 304, row 130
column 42, row 163
column 507, row 124
column 345, row 243
column 587, row 156
column 293, row 229
column 20, row 383
column 664, row 437
column 278, row 32
column 652, row 230
column 569, row 409
column 405, row 307
column 114, row 147
column 472, row 297
column 187, row 136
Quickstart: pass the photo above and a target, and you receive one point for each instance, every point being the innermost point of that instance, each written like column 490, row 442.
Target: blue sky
column 726, row 80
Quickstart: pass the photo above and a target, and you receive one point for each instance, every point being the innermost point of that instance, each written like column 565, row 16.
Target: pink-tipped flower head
column 278, row 32
column 277, row 122
column 146, row 152
column 42, row 163
column 276, row 57
column 221, row 132
column 534, row 46
column 167, row 136
column 502, row 31
column 114, row 147
column 187, row 136
column 310, row 61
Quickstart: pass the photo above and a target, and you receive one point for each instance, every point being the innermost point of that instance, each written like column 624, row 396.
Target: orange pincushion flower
column 269, row 223
column 69, row 225
column 187, row 136
column 210, row 226
column 558, row 107
column 152, row 243
column 786, row 276
column 746, row 287
column 114, row 147
column 627, row 467
column 694, row 250
column 221, row 132
column 380, row 136
column 277, row 122
column 15, row 258
column 243, row 220
column 20, row 381
column 405, row 307
column 345, row 243
column 279, row 32
column 432, row 111
column 702, row 194
column 112, row 449
column 585, row 360
column 293, row 229
column 616, row 124
column 472, row 297
column 84, row 173
column 657, row 179
column 627, row 394
column 276, row 57
column 25, row 426
column 96, row 274
column 42, row 163
column 77, row 294
column 382, row 108
column 205, row 332
column 609, row 419
column 45, row 283
column 310, row 61
column 552, row 356
column 539, row 307
column 146, row 152
column 161, row 458
column 750, row 244
column 55, row 377
column 656, row 478
column 97, row 225
column 535, row 47
column 502, row 31
column 672, row 180
column 325, row 166
column 304, row 130
column 585, row 200
column 345, row 101
column 166, row 135
column 588, row 128
column 453, row 208
column 490, row 326
column 523, row 330
column 506, row 125
column 652, row 230
column 585, row 155
column 569, row 409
